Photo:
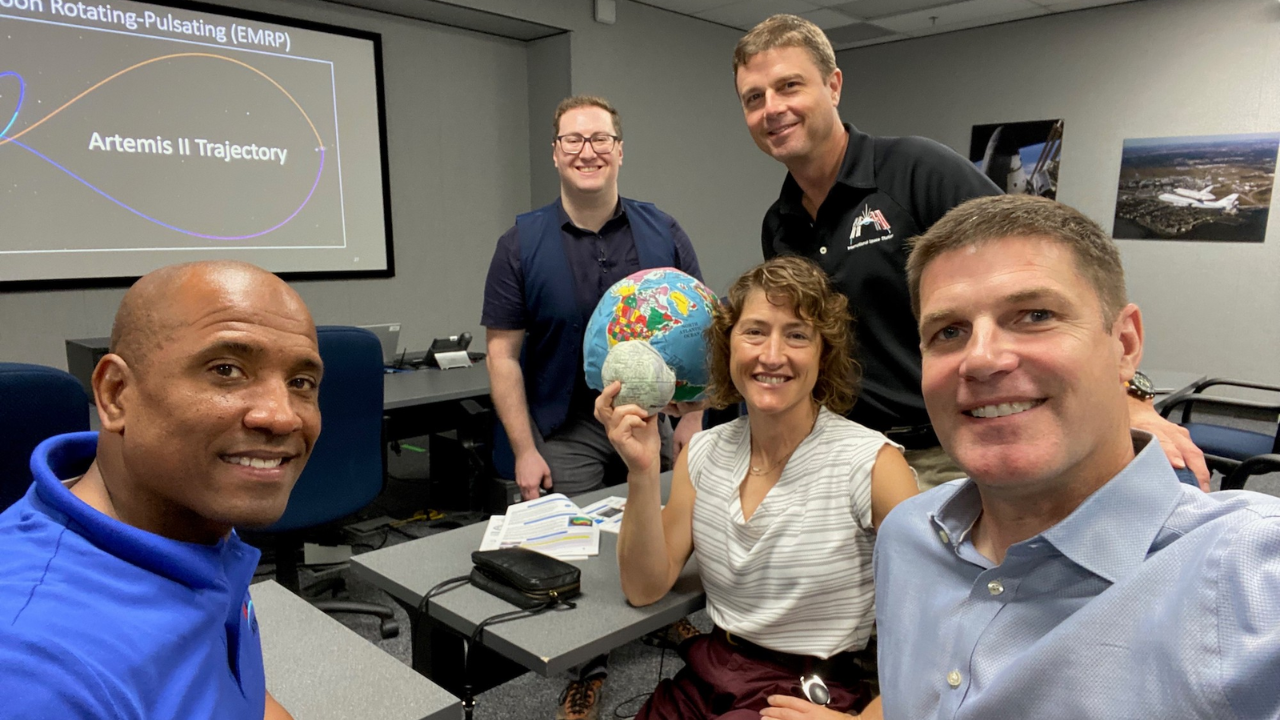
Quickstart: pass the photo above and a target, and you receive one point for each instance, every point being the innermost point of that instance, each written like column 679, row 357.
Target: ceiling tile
column 1068, row 5
column 827, row 19
column 855, row 33
column 746, row 14
column 873, row 41
column 871, row 9
column 687, row 7
column 971, row 13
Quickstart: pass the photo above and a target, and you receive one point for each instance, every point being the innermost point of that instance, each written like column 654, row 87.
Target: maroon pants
column 727, row 682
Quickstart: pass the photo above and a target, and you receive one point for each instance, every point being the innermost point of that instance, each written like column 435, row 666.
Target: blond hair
column 786, row 31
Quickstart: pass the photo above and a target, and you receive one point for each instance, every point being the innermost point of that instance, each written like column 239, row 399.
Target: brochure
column 607, row 513
column 552, row 525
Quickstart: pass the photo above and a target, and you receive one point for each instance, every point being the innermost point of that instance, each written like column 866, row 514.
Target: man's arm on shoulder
column 1248, row 599
column 1173, row 438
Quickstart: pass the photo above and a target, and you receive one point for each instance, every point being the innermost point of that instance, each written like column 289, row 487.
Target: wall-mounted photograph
column 1021, row 157
column 1202, row 187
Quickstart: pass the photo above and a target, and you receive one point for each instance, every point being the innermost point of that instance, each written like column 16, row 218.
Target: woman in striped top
column 780, row 508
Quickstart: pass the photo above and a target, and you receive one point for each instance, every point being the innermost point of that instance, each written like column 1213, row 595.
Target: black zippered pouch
column 525, row 578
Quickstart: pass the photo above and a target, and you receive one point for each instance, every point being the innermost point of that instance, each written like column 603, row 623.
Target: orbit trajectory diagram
column 161, row 145
column 165, row 145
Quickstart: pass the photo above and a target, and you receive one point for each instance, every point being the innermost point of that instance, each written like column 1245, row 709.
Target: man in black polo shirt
column 851, row 202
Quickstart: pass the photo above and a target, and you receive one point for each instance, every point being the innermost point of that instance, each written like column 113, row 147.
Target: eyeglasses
column 602, row 143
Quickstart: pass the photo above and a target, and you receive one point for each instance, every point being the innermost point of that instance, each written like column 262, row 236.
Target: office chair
column 1235, row 452
column 346, row 470
column 36, row 402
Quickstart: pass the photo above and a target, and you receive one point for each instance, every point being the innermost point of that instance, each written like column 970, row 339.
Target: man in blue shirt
column 1070, row 575
column 547, row 275
column 123, row 588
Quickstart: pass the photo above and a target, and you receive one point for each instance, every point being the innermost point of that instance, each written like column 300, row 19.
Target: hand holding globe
column 647, row 332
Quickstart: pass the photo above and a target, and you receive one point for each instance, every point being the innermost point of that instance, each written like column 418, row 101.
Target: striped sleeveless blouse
column 797, row 576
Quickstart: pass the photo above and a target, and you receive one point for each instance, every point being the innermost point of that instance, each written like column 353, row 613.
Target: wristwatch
column 1140, row 386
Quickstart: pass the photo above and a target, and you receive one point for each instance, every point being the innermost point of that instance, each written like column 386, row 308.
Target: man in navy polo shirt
column 852, row 203
column 124, row 591
column 547, row 275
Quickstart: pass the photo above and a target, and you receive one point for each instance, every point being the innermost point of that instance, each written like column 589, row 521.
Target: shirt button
column 995, row 587
column 822, row 250
column 942, row 535
column 953, row 679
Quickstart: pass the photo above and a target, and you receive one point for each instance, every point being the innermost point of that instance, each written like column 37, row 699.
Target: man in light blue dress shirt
column 1071, row 575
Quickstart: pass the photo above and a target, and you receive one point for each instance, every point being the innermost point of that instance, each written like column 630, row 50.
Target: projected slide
column 134, row 135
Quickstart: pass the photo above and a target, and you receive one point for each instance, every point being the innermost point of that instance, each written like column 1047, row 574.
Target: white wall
column 687, row 149
column 687, row 146
column 1146, row 69
column 445, row 90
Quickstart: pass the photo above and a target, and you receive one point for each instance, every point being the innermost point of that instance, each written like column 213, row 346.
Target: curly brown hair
column 804, row 287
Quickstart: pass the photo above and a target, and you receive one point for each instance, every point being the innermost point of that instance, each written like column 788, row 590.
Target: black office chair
column 346, row 470
column 1235, row 452
column 36, row 403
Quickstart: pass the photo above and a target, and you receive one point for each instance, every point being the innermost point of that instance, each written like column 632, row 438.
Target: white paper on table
column 607, row 513
column 556, row 537
column 551, row 525
column 492, row 539
column 547, row 506
column 453, row 359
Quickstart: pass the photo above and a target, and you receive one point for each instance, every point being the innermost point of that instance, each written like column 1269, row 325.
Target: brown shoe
column 672, row 635
column 581, row 699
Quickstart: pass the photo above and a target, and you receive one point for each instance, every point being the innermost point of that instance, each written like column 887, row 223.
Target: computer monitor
column 389, row 335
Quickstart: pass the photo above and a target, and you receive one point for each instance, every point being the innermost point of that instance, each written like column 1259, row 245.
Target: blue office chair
column 36, row 402
column 347, row 466
column 1230, row 450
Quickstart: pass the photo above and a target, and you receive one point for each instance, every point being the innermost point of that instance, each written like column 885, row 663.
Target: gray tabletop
column 548, row 643
column 318, row 669
column 431, row 385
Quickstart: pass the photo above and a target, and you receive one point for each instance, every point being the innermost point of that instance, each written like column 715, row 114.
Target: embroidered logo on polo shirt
column 875, row 234
column 250, row 616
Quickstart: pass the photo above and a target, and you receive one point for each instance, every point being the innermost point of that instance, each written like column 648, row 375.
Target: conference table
column 547, row 643
column 426, row 386
column 319, row 669
column 431, row 400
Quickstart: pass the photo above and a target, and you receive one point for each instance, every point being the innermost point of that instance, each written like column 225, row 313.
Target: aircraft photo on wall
column 1204, row 187
column 1021, row 157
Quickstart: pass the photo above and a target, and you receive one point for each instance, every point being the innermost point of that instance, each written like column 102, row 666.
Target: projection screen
column 135, row 135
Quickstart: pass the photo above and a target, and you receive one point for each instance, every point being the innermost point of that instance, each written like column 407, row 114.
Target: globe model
column 647, row 331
